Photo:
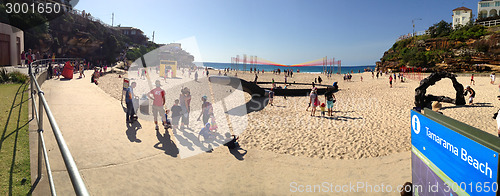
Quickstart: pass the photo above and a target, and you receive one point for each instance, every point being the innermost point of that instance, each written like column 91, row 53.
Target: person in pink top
column 158, row 103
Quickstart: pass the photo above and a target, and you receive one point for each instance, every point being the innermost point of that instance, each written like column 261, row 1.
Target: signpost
column 452, row 158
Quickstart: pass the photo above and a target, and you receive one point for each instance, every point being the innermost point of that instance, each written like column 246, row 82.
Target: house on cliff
column 461, row 16
column 488, row 8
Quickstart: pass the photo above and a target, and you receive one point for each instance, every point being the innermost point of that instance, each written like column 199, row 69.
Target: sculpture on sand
column 422, row 100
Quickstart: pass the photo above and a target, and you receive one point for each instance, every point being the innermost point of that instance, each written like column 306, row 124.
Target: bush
column 4, row 76
column 17, row 77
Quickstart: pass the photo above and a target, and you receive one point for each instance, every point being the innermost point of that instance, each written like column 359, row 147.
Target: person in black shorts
column 176, row 114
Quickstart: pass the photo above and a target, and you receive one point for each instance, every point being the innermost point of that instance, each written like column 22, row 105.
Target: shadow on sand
column 475, row 105
column 132, row 131
column 166, row 144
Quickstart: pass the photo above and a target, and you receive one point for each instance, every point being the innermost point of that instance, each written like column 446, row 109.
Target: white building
column 11, row 44
column 488, row 8
column 461, row 16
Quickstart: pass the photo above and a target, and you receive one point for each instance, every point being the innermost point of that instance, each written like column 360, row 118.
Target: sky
column 282, row 31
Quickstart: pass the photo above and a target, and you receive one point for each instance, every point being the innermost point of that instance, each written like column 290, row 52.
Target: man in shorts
column 329, row 99
column 158, row 103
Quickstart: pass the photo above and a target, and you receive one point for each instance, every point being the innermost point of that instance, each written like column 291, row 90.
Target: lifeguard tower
column 165, row 64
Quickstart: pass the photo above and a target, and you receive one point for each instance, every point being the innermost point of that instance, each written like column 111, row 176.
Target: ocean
column 268, row 68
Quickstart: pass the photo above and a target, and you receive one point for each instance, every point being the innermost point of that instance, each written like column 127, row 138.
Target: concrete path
column 116, row 159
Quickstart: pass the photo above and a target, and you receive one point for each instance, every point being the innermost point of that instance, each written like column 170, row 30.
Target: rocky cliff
column 445, row 53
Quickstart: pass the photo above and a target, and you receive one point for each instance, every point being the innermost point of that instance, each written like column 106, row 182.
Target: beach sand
column 369, row 119
column 283, row 147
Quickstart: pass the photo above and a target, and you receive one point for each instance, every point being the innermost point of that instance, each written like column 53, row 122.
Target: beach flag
column 67, row 71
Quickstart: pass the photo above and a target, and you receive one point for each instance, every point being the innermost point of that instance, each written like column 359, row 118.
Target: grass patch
column 14, row 140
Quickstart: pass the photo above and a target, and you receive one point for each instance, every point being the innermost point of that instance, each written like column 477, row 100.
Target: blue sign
column 465, row 166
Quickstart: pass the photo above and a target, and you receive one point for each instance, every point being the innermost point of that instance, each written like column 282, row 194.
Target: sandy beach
column 369, row 119
column 283, row 149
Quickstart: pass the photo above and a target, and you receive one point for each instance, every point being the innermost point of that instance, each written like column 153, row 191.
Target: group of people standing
column 314, row 102
column 179, row 111
column 28, row 57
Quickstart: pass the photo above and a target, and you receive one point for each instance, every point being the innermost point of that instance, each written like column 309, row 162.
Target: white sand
column 370, row 119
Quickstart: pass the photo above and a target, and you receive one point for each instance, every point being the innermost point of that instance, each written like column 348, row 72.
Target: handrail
column 74, row 174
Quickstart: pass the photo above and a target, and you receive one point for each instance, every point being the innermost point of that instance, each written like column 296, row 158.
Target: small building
column 11, row 45
column 461, row 16
column 488, row 8
column 135, row 34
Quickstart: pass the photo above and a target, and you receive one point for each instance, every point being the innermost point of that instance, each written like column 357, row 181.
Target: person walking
column 206, row 110
column 129, row 101
column 158, row 103
column 472, row 82
column 390, row 80
column 185, row 102
column 314, row 101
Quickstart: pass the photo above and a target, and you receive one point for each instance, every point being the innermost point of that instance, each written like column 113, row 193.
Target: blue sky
column 283, row 31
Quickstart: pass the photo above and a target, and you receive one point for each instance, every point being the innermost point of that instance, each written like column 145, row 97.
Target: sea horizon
column 303, row 69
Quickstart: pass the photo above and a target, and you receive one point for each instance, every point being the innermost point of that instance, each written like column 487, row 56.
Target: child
column 213, row 126
column 323, row 110
column 206, row 133
column 167, row 123
column 176, row 114
column 271, row 96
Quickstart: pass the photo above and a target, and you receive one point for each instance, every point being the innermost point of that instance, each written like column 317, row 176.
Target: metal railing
column 74, row 174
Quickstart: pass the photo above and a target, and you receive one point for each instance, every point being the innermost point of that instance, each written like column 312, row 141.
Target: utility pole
column 112, row 18
column 413, row 23
column 153, row 36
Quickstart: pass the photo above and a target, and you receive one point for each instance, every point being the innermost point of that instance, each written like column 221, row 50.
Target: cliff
column 456, row 52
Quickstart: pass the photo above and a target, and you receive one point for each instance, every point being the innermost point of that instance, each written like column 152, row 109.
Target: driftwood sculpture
column 422, row 100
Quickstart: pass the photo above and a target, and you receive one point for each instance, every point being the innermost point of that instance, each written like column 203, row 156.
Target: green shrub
column 4, row 77
column 18, row 77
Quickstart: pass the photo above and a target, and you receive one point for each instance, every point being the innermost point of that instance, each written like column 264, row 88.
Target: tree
column 440, row 29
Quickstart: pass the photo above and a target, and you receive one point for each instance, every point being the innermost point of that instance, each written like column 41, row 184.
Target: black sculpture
column 422, row 100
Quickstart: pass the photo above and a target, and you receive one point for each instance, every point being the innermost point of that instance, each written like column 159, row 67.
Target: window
column 485, row 4
column 497, row 3
column 463, row 19
column 458, row 12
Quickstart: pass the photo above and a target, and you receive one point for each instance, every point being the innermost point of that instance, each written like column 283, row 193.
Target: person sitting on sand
column 467, row 90
column 320, row 80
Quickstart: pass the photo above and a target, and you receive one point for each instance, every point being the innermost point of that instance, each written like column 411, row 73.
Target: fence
column 490, row 23
column 73, row 172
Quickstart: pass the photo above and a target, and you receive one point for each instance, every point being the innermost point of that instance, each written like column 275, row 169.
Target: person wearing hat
column 467, row 90
column 158, row 103
column 206, row 110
